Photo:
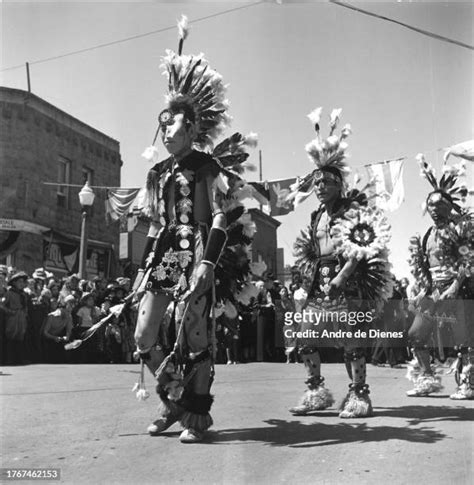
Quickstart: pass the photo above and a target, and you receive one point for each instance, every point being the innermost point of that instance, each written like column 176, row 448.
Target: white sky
column 402, row 92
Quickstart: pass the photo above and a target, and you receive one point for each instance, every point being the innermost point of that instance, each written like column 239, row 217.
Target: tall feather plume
column 334, row 119
column 427, row 171
column 315, row 117
column 330, row 152
column 183, row 30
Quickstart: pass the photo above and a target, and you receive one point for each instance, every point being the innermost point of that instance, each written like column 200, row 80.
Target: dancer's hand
column 138, row 280
column 204, row 278
column 451, row 292
column 336, row 286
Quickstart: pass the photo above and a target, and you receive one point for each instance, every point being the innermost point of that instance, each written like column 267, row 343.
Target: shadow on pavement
column 422, row 413
column 298, row 435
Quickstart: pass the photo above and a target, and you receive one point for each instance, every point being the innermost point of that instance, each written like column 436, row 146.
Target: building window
column 64, row 169
column 87, row 175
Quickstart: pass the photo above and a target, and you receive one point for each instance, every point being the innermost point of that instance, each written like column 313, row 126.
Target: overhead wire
column 133, row 37
column 402, row 24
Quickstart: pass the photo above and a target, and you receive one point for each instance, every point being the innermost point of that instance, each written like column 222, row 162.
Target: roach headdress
column 329, row 154
column 449, row 185
column 195, row 89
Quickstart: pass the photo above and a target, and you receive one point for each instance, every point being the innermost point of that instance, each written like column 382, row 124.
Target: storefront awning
column 22, row 226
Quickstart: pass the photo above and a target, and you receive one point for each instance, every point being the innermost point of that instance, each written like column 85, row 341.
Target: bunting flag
column 261, row 192
column 463, row 150
column 121, row 202
column 279, row 190
column 387, row 190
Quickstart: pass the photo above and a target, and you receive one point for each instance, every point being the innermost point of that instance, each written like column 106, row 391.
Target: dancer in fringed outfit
column 197, row 245
column 343, row 252
column 442, row 263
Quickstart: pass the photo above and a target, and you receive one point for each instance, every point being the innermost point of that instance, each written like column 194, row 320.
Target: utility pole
column 28, row 76
column 260, row 170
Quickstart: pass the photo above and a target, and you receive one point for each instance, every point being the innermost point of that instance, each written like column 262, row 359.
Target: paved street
column 85, row 420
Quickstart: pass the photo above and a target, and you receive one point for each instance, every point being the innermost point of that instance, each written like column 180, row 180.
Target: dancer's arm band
column 215, row 245
column 148, row 248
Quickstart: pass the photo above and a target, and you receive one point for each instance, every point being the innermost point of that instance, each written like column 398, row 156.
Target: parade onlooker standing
column 70, row 287
column 87, row 315
column 99, row 290
column 124, row 322
column 15, row 307
column 38, row 309
column 248, row 331
column 265, row 316
column 288, row 306
column 57, row 331
column 231, row 339
column 392, row 320
column 53, row 287
column 3, row 290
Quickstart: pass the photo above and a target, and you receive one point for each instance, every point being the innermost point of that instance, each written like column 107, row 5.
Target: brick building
column 265, row 246
column 40, row 224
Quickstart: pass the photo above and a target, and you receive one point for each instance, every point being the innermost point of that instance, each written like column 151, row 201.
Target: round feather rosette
column 361, row 233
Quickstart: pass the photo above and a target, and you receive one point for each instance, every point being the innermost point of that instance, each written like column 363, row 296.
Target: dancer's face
column 438, row 208
column 327, row 189
column 178, row 136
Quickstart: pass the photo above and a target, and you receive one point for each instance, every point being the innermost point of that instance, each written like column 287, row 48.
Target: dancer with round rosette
column 442, row 263
column 198, row 243
column 343, row 252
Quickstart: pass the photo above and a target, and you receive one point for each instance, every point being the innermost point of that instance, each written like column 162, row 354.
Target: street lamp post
column 86, row 198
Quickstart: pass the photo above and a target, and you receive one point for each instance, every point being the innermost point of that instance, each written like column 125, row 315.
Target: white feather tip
column 315, row 116
column 335, row 115
column 183, row 28
column 420, row 158
column 251, row 140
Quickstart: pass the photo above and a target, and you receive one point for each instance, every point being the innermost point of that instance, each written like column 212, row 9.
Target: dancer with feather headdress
column 442, row 263
column 344, row 254
column 198, row 243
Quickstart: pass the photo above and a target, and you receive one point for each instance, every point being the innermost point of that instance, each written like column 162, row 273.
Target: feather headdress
column 449, row 184
column 329, row 155
column 331, row 152
column 195, row 87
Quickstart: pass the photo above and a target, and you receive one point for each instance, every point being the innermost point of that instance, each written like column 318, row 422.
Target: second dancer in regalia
column 344, row 254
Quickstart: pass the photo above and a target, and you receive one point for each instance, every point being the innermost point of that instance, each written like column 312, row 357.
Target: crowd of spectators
column 40, row 313
column 275, row 299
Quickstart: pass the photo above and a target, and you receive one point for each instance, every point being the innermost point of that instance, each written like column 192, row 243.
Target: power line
column 127, row 39
column 410, row 27
column 91, row 186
